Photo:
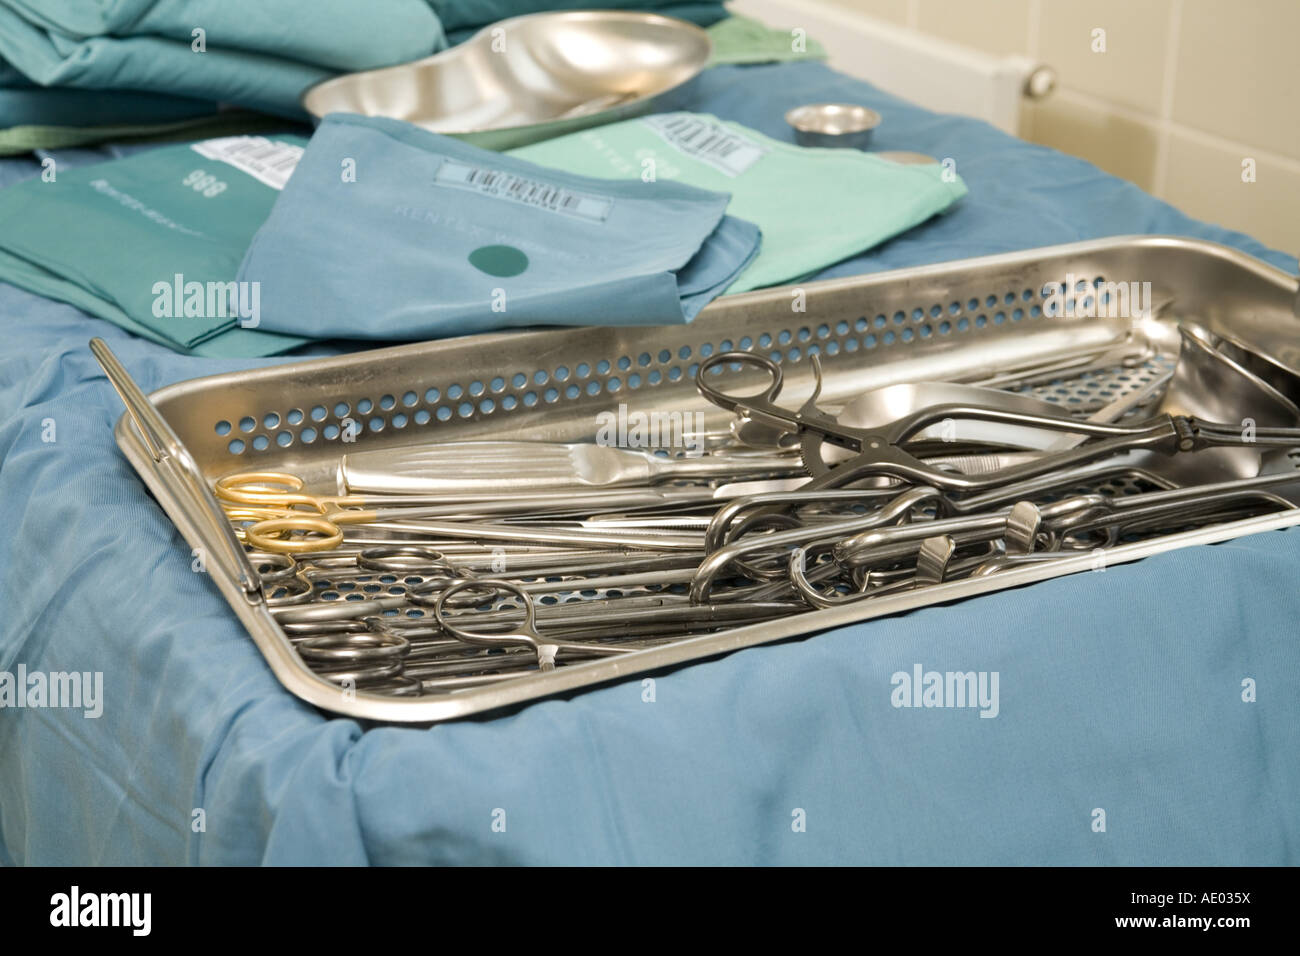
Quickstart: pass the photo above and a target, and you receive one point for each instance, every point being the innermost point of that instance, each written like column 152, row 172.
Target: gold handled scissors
column 271, row 500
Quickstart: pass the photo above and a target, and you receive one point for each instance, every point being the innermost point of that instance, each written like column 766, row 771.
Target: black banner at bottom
column 333, row 906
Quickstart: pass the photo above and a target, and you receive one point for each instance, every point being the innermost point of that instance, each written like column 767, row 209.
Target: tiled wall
column 1185, row 91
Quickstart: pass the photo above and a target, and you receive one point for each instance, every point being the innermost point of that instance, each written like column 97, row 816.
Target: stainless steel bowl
column 529, row 78
column 836, row 125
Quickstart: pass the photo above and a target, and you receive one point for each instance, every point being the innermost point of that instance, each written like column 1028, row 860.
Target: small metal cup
column 834, row 125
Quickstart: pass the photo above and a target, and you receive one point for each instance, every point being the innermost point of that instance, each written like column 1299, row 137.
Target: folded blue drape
column 436, row 237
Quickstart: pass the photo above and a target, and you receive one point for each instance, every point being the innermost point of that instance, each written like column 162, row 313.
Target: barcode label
column 530, row 192
column 724, row 149
column 266, row 161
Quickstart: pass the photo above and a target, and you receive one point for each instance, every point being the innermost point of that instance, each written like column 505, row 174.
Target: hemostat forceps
column 525, row 633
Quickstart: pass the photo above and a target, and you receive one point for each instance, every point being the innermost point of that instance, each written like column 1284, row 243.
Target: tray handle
column 172, row 457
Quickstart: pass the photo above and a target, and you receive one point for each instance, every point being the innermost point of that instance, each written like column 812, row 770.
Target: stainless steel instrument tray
column 956, row 321
column 529, row 77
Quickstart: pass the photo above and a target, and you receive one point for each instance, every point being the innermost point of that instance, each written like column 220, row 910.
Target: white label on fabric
column 727, row 151
column 267, row 162
column 530, row 192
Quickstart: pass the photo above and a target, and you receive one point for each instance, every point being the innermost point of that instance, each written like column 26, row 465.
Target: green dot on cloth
column 503, row 261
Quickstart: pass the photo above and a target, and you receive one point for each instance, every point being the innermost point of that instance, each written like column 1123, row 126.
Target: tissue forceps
column 879, row 451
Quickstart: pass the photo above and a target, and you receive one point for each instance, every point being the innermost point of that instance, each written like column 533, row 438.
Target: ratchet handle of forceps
column 744, row 404
column 762, row 407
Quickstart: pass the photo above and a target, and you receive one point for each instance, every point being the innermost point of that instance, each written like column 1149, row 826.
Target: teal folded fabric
column 458, row 16
column 814, row 206
column 338, row 34
column 152, row 242
column 23, row 103
column 232, row 343
column 25, row 139
column 746, row 40
column 155, row 64
column 436, row 237
column 257, row 55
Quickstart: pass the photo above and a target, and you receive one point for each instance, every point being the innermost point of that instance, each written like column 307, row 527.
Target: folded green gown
column 814, row 206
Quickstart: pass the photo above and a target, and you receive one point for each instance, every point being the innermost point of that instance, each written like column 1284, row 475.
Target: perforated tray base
column 962, row 321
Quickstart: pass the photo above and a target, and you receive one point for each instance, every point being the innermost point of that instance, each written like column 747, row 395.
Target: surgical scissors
column 282, row 491
column 333, row 513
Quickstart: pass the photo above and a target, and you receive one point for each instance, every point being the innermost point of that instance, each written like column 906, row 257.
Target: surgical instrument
column 502, row 467
column 879, row 451
column 324, row 529
column 547, row 648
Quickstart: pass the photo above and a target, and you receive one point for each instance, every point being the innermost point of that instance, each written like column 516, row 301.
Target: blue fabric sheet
column 632, row 253
column 1118, row 690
